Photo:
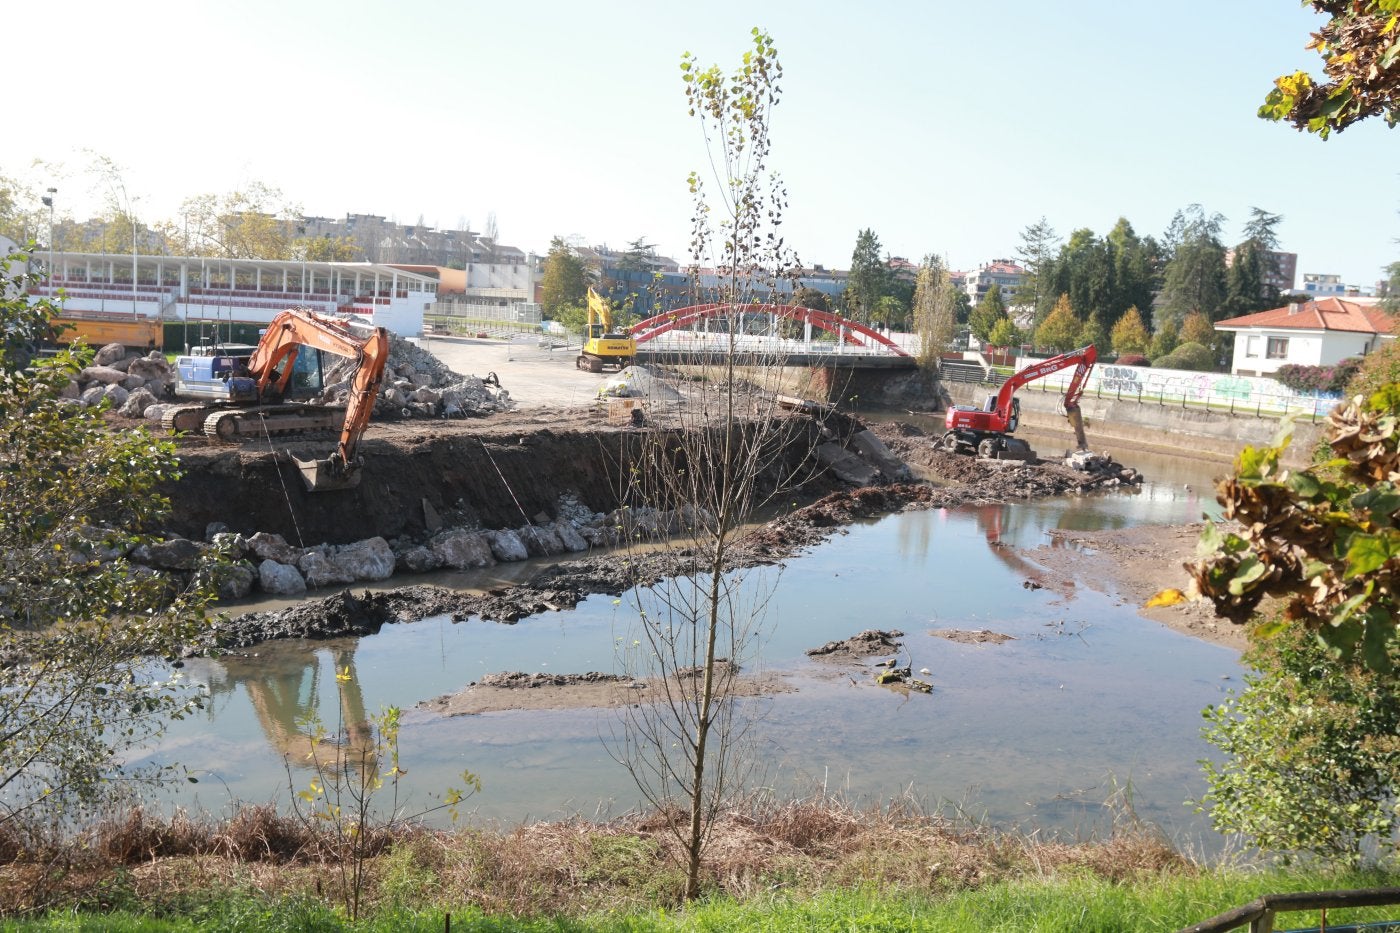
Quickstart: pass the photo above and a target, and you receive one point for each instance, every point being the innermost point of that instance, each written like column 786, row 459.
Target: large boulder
column 93, row 395
column 506, row 546
column 111, row 353
column 461, row 549
column 569, row 537
column 419, row 560
column 103, row 374
column 232, row 544
column 371, row 559
column 267, row 546
column 235, row 581
column 280, row 579
column 132, row 383
column 329, row 565
column 71, row 390
column 102, row 544
column 151, row 370
column 117, row 395
column 175, row 554
column 137, row 403
column 320, row 568
column 541, row 540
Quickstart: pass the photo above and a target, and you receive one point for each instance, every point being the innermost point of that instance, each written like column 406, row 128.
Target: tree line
column 1139, row 295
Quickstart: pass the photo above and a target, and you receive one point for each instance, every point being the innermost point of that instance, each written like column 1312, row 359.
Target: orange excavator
column 988, row 430
column 246, row 392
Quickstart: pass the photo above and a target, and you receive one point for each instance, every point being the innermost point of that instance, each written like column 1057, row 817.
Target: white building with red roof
column 1310, row 333
column 1002, row 272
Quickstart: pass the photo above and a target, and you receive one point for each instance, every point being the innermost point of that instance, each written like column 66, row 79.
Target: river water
column 1034, row 733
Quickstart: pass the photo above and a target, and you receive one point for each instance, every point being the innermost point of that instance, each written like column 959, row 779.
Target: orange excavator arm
column 272, row 364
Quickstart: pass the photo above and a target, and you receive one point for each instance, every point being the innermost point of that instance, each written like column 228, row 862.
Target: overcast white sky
column 944, row 126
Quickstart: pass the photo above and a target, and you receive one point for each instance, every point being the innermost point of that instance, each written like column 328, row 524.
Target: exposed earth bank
column 561, row 586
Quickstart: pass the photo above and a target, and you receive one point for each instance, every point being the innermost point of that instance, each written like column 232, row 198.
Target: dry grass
column 566, row 867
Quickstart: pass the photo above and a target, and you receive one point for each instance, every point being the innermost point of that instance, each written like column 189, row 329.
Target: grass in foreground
column 1062, row 905
column 778, row 866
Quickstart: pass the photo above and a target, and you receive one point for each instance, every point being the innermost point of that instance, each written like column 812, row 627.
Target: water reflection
column 284, row 690
column 1031, row 728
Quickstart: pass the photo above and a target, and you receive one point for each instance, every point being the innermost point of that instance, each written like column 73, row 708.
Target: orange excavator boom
column 271, row 366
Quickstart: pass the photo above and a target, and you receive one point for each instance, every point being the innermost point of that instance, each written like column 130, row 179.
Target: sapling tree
column 719, row 448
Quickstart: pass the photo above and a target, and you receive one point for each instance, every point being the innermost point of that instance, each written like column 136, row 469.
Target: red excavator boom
column 986, row 429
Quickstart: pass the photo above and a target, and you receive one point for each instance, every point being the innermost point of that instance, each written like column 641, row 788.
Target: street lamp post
column 132, row 210
column 48, row 202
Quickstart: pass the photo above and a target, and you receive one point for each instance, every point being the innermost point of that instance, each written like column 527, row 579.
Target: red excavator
column 987, row 430
column 246, row 391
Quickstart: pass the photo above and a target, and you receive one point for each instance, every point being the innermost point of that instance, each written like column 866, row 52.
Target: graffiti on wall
column 1211, row 388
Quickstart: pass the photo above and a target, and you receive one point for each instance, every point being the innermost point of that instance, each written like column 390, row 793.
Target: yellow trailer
column 97, row 329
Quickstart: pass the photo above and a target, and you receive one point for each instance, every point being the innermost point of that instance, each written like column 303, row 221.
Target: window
column 1278, row 348
column 1251, row 347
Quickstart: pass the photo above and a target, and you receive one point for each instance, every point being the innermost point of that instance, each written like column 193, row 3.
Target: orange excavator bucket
column 327, row 475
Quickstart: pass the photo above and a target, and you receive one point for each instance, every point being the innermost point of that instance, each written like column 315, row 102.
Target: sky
column 945, row 127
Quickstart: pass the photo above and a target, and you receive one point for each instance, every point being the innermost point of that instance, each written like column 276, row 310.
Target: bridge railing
column 776, row 347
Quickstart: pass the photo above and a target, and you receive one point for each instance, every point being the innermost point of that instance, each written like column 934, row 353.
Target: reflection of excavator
column 987, row 430
column 246, row 390
column 602, row 345
column 275, row 690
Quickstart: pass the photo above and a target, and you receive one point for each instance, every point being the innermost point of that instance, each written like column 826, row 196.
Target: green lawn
column 1062, row 905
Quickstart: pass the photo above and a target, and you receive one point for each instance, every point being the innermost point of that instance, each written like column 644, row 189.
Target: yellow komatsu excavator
column 603, row 347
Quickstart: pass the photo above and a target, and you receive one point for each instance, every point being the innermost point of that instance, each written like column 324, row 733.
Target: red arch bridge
column 753, row 332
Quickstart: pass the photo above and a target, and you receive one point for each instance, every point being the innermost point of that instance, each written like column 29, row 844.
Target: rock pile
column 268, row 563
column 131, row 382
column 418, row 384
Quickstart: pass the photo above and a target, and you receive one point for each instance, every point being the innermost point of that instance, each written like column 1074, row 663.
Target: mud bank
column 562, row 586
column 491, row 474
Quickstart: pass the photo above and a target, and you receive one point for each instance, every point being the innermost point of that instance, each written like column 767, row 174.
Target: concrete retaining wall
column 1174, row 430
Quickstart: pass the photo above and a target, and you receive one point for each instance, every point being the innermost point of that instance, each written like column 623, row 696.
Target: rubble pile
column 418, row 384
column 132, row 383
column 519, row 680
column 993, row 480
column 267, row 563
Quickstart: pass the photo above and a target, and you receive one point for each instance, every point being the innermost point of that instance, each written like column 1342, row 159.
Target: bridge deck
column 830, row 360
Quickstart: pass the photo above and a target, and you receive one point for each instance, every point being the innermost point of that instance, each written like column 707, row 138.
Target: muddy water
column 1035, row 732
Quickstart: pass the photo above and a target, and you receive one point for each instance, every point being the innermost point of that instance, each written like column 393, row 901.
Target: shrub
column 1376, row 370
column 1193, row 356
column 1131, row 359
column 1301, row 378
column 1312, row 762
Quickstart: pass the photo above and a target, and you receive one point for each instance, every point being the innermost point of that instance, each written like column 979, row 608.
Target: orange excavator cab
column 272, row 365
column 243, row 395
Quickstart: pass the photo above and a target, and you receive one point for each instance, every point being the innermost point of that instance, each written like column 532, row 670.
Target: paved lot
column 536, row 378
